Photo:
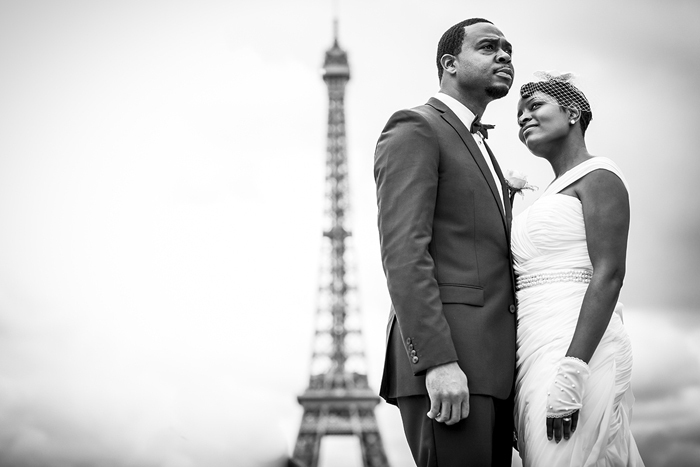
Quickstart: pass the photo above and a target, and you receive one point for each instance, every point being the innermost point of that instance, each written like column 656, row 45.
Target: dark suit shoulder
column 426, row 111
column 409, row 124
column 423, row 121
column 419, row 113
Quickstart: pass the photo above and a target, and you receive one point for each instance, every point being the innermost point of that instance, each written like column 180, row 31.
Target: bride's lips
column 525, row 129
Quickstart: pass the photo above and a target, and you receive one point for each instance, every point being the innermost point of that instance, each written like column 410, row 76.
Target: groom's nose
column 503, row 56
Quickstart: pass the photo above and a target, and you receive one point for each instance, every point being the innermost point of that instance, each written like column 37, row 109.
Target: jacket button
column 410, row 346
column 408, row 341
column 511, row 308
column 414, row 359
column 413, row 353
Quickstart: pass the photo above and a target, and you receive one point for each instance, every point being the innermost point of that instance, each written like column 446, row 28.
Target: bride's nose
column 523, row 119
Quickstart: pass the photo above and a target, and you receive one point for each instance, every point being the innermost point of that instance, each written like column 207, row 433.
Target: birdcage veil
column 558, row 88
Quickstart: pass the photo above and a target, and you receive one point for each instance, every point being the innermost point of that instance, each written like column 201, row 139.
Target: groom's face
column 484, row 63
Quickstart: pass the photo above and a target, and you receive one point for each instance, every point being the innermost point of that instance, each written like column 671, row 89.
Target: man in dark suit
column 444, row 227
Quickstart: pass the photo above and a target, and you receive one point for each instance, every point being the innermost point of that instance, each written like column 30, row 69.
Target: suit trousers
column 483, row 439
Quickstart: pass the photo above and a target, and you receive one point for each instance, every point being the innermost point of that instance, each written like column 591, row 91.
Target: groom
column 444, row 227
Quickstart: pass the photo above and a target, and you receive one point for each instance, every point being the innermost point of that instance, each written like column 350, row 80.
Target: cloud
column 670, row 444
column 666, row 384
column 666, row 353
column 131, row 413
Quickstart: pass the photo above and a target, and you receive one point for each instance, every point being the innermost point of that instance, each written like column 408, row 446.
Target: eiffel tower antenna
column 338, row 400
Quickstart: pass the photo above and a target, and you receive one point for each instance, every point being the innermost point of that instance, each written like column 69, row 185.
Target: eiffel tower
column 338, row 400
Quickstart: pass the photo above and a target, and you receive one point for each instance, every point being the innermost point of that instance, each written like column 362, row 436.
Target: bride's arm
column 606, row 215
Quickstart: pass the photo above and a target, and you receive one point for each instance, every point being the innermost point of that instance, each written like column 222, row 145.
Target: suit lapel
column 478, row 157
column 504, row 189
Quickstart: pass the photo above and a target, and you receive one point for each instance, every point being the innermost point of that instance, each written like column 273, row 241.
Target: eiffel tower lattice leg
column 308, row 444
column 373, row 454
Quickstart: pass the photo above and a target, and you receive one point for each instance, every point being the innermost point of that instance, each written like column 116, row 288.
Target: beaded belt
column 568, row 275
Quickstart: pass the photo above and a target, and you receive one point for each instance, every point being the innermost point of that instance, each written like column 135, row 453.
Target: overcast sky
column 161, row 207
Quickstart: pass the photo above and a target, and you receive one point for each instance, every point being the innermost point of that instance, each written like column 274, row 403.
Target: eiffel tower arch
column 338, row 400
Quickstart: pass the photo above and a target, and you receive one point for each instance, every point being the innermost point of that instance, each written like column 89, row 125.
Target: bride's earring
column 573, row 121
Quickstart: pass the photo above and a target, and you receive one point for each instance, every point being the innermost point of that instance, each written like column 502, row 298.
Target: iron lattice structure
column 338, row 400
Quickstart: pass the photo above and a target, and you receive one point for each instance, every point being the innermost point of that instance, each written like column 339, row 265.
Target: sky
column 162, row 195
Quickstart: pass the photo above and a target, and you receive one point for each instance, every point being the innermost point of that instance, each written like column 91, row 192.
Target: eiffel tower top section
column 336, row 64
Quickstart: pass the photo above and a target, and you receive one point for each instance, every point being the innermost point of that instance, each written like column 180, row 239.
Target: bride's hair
column 563, row 92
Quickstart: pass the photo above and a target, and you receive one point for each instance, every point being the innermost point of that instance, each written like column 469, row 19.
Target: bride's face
column 541, row 121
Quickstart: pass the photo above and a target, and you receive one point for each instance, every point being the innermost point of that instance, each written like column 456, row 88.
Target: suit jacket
column 445, row 245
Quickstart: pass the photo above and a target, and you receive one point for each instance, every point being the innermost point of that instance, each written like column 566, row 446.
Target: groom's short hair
column 452, row 40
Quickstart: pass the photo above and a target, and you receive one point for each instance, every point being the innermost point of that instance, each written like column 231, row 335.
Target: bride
column 574, row 361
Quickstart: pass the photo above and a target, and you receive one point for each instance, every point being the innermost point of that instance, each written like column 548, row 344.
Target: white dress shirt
column 467, row 117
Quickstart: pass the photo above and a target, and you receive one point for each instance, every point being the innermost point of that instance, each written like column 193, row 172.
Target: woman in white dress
column 574, row 360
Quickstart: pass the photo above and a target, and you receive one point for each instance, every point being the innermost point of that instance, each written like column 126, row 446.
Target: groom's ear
column 448, row 63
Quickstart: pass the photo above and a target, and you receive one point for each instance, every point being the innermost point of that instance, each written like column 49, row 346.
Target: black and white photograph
column 334, row 233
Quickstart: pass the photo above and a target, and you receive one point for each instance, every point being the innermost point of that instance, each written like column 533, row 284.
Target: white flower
column 517, row 182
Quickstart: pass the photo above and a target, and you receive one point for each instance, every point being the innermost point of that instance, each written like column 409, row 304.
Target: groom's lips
column 505, row 72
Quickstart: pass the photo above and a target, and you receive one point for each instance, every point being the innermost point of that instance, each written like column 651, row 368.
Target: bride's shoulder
column 603, row 161
column 602, row 182
column 603, row 164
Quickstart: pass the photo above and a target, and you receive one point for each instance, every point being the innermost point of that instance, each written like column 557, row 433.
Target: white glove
column 566, row 391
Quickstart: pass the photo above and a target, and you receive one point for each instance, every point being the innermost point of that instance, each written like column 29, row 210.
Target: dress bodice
column 550, row 235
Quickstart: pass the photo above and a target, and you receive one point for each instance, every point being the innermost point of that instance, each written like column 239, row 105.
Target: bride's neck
column 567, row 158
column 563, row 164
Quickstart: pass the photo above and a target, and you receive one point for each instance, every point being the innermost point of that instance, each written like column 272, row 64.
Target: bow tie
column 482, row 128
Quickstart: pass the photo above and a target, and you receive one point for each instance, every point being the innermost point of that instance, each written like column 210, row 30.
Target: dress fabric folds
column 549, row 249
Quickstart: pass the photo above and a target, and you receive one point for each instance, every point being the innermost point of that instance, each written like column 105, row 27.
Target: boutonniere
column 517, row 182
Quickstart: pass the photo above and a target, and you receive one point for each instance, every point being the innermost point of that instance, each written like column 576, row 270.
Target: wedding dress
column 553, row 269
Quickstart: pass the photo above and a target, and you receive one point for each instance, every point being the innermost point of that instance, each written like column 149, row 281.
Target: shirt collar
column 463, row 113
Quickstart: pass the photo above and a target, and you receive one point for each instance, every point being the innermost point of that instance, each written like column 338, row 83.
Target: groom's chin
column 497, row 92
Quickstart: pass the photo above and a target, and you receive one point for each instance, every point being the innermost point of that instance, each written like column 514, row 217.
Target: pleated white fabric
column 549, row 237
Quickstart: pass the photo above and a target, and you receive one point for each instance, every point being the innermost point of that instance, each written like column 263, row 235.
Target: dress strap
column 582, row 169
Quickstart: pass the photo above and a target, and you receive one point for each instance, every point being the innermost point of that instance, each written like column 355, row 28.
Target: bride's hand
column 565, row 397
column 565, row 426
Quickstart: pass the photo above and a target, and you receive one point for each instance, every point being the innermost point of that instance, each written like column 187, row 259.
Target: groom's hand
column 448, row 392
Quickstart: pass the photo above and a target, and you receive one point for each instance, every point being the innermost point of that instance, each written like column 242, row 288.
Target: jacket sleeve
column 406, row 171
